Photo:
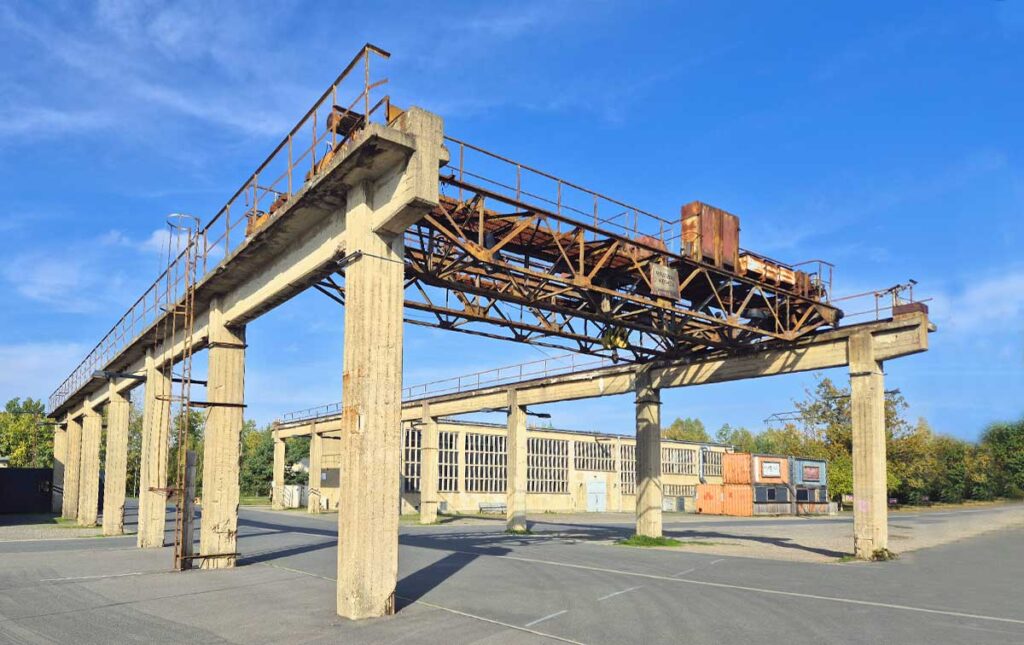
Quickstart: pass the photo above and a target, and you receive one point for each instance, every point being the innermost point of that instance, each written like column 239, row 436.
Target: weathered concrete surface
column 316, row 460
column 222, row 442
column 73, row 468
column 115, row 468
column 515, row 504
column 371, row 415
column 867, row 412
column 648, row 456
column 89, row 475
column 60, row 456
column 277, row 490
column 156, row 427
column 428, row 468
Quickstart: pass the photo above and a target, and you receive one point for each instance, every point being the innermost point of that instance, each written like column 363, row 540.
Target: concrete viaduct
column 354, row 208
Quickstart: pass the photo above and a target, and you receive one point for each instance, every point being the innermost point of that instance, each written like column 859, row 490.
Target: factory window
column 712, row 463
column 678, row 461
column 627, row 472
column 679, row 490
column 547, row 466
column 771, row 494
column 448, row 462
column 802, row 495
column 411, row 444
column 591, row 455
column 486, row 463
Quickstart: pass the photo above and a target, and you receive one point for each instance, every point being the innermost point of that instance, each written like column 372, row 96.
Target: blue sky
column 885, row 137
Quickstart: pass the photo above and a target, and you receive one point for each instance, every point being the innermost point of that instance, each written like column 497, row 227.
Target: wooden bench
column 493, row 507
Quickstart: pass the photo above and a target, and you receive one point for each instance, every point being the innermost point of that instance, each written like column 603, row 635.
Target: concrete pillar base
column 867, row 411
column 89, row 479
column 648, row 457
column 116, row 465
column 515, row 505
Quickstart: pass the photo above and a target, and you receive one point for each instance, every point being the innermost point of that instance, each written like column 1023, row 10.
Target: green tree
column 25, row 436
column 1004, row 442
column 257, row 467
column 950, row 482
column 296, row 449
column 688, row 429
column 740, row 438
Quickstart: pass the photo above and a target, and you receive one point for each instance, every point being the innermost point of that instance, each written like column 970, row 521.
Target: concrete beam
column 867, row 412
column 648, row 457
column 515, row 504
column 60, row 457
column 73, row 469
column 371, row 415
column 156, row 428
column 277, row 494
column 89, row 475
column 428, row 468
column 222, row 442
column 316, row 460
column 116, row 464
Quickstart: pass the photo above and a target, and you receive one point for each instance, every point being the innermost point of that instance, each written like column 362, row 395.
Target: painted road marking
column 775, row 592
column 548, row 617
column 618, row 593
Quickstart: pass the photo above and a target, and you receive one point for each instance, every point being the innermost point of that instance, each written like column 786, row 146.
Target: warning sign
column 664, row 281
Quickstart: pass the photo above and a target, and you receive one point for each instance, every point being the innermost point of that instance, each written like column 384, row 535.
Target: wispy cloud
column 30, row 369
column 985, row 304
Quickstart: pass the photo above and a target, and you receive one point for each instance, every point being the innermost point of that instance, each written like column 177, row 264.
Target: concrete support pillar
column 156, row 428
column 867, row 411
column 428, row 467
column 648, row 456
column 222, row 442
column 115, row 469
column 277, row 492
column 89, row 477
column 316, row 461
column 72, row 469
column 60, row 457
column 371, row 425
column 515, row 504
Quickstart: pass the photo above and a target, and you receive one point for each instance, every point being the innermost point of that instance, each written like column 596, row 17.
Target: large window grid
column 547, row 465
column 448, row 462
column 679, row 490
column 486, row 463
column 593, row 455
column 713, row 463
column 411, row 451
column 678, row 461
column 627, row 474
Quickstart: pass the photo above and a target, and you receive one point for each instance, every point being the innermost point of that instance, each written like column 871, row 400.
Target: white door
column 597, row 496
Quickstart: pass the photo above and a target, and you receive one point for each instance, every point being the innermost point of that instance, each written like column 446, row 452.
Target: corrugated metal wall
column 736, row 467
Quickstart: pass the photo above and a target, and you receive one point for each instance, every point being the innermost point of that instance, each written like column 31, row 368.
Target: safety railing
column 508, row 178
column 530, row 370
column 304, row 153
column 876, row 305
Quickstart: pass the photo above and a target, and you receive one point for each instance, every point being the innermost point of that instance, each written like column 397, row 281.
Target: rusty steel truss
column 497, row 260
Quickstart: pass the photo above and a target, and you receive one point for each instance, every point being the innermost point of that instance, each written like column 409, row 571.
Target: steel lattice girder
column 546, row 279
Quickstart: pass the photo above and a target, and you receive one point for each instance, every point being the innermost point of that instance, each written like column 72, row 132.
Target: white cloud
column 994, row 303
column 36, row 369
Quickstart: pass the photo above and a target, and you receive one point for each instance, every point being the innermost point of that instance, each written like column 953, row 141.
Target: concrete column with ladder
column 156, row 426
column 89, row 474
column 116, row 463
column 515, row 504
column 277, row 492
column 371, row 424
column 60, row 456
column 648, row 456
column 316, row 460
column 72, row 468
column 225, row 388
column 867, row 412
column 428, row 467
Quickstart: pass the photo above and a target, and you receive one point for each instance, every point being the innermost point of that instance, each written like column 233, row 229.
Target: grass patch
column 519, row 532
column 254, row 500
column 847, row 558
column 883, row 555
column 645, row 541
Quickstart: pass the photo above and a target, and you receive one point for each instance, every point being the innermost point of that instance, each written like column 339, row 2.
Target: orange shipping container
column 736, row 468
column 771, row 470
column 709, row 499
column 738, row 500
